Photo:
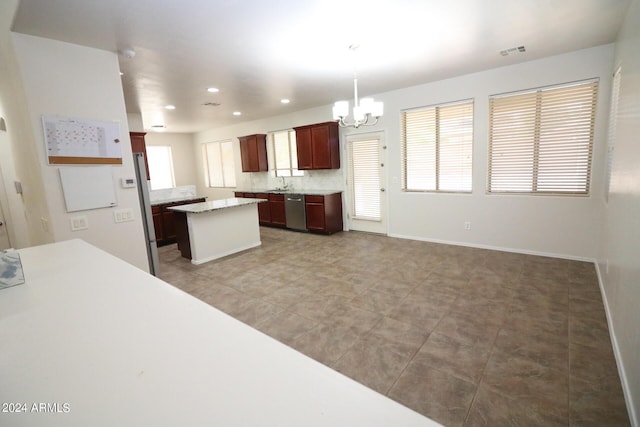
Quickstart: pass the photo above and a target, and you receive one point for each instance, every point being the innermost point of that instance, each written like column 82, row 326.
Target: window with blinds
column 541, row 141
column 219, row 164
column 437, row 146
column 285, row 153
column 365, row 175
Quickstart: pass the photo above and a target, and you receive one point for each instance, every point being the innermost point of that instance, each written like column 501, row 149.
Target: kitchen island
column 89, row 340
column 210, row 230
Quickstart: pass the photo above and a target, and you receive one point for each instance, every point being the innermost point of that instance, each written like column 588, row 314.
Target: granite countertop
column 295, row 191
column 213, row 205
column 175, row 199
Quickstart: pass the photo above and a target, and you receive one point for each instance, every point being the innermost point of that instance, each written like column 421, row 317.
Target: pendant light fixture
column 366, row 111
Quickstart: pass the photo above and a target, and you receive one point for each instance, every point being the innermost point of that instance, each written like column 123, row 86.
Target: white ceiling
column 258, row 52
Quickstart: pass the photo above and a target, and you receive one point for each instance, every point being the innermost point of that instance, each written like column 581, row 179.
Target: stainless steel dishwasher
column 294, row 212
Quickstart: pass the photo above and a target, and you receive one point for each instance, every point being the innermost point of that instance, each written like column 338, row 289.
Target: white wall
column 23, row 212
column 620, row 247
column 184, row 161
column 551, row 225
column 558, row 226
column 75, row 81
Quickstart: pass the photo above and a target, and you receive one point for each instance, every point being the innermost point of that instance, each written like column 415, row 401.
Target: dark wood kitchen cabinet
column 276, row 209
column 253, row 152
column 164, row 222
column 318, row 146
column 264, row 208
column 139, row 146
column 324, row 213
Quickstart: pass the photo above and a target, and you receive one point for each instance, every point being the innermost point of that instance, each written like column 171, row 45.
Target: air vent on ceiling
column 211, row 104
column 512, row 51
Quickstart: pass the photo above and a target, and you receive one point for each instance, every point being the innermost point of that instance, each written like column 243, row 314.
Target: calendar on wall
column 85, row 142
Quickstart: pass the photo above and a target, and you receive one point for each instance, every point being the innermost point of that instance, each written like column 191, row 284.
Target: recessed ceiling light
column 237, row 113
column 170, row 107
column 285, row 101
column 213, row 89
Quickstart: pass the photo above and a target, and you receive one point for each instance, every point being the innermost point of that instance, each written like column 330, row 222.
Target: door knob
column 1, row 223
column 382, row 189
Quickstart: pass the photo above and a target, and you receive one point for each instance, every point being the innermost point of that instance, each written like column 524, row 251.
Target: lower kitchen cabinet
column 276, row 209
column 156, row 212
column 164, row 222
column 324, row 213
column 264, row 210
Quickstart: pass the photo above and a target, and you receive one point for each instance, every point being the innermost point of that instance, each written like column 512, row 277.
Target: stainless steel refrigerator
column 146, row 215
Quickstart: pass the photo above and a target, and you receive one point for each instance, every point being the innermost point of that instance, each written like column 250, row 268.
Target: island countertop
column 102, row 343
column 213, row 205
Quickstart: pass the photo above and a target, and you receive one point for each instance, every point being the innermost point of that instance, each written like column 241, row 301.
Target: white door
column 367, row 193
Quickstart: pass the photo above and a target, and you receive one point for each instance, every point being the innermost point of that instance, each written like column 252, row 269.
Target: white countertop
column 215, row 205
column 295, row 191
column 102, row 343
column 175, row 199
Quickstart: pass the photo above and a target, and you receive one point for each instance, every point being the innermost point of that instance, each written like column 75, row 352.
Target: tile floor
column 464, row 336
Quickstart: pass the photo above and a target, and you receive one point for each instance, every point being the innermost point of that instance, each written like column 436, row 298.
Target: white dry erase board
column 88, row 187
column 77, row 141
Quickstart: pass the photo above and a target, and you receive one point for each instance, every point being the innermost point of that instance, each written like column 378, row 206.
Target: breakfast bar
column 209, row 230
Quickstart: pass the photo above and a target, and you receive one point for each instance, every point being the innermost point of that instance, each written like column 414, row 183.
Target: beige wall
column 75, row 81
column 620, row 248
column 184, row 168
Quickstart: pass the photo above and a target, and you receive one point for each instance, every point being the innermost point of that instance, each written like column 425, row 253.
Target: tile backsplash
column 330, row 179
column 181, row 192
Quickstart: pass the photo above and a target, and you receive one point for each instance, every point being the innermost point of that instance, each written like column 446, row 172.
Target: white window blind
column 437, row 145
column 285, row 154
column 160, row 164
column 365, row 172
column 219, row 164
column 613, row 121
column 541, row 141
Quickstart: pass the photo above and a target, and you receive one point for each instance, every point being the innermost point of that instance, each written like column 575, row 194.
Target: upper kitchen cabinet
column 318, row 146
column 253, row 151
column 139, row 146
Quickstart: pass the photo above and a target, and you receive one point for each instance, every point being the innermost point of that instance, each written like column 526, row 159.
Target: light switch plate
column 79, row 223
column 123, row 215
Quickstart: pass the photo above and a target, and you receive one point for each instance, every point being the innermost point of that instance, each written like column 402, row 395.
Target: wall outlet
column 79, row 223
column 467, row 225
column 123, row 215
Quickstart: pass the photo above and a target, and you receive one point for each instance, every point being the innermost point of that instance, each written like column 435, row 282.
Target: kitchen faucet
column 285, row 185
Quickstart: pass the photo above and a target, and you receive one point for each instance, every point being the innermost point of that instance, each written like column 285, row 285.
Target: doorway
column 366, row 182
column 4, row 231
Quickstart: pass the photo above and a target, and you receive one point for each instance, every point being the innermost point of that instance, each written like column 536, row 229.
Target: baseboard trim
column 495, row 248
column 616, row 351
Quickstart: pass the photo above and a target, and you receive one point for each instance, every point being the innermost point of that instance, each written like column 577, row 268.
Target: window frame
column 294, row 172
column 224, row 166
column 438, row 143
column 542, row 138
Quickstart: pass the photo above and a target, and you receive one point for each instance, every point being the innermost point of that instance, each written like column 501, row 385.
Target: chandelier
column 366, row 111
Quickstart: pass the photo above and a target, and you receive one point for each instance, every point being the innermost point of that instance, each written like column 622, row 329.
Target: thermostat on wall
column 128, row 182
